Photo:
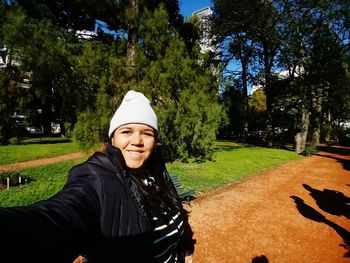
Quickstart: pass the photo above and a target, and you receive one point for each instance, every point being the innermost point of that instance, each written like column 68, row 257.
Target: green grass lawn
column 33, row 149
column 232, row 162
column 45, row 182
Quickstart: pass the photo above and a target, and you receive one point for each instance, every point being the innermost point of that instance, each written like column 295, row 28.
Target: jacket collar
column 111, row 159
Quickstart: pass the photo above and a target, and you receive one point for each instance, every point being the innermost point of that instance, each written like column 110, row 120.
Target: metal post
column 41, row 127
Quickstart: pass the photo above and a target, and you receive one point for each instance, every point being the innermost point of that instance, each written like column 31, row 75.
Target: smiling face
column 136, row 142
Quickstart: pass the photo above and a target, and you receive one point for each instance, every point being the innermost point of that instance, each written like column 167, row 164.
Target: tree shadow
column 47, row 141
column 330, row 201
column 336, row 150
column 260, row 259
column 224, row 145
column 312, row 214
column 344, row 162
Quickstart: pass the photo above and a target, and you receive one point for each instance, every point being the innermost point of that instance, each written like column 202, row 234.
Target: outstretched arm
column 54, row 230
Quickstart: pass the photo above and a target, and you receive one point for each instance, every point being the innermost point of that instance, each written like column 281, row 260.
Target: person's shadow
column 260, row 259
column 330, row 201
column 312, row 214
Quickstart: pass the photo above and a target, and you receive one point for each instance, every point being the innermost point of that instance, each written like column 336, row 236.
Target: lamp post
column 41, row 127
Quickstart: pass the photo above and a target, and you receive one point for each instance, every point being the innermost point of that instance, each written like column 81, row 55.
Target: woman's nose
column 136, row 139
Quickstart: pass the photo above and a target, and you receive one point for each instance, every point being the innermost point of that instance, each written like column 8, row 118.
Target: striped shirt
column 166, row 238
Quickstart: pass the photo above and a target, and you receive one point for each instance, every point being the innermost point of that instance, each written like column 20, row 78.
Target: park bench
column 186, row 195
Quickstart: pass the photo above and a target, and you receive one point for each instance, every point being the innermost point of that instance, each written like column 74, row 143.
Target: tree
column 229, row 28
column 169, row 77
column 103, row 70
column 257, row 109
column 44, row 51
column 81, row 81
column 312, row 53
column 249, row 31
column 9, row 89
column 233, row 102
column 119, row 15
column 49, row 47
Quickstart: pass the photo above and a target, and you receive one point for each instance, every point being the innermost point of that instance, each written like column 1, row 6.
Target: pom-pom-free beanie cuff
column 135, row 108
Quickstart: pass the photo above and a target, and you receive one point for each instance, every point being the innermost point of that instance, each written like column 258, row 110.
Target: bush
column 326, row 132
column 344, row 137
column 309, row 151
column 89, row 130
column 15, row 140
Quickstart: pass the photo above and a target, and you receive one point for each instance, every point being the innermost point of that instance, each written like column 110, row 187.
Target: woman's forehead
column 136, row 126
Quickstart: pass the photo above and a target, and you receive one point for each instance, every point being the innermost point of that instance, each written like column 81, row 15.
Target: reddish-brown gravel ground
column 43, row 161
column 298, row 212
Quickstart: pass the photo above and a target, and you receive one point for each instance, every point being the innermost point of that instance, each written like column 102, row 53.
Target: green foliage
column 184, row 94
column 9, row 125
column 327, row 132
column 198, row 119
column 42, row 53
column 103, row 70
column 233, row 103
column 79, row 83
column 257, row 101
column 309, row 151
column 305, row 39
column 257, row 110
column 344, row 137
column 90, row 130
column 168, row 76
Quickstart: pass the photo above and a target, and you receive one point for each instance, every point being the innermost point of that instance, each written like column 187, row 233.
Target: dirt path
column 43, row 161
column 298, row 212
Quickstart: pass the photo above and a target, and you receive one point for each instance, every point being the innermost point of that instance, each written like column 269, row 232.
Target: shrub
column 344, row 137
column 89, row 131
column 326, row 132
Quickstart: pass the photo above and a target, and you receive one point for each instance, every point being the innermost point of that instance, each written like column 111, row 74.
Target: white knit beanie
column 135, row 108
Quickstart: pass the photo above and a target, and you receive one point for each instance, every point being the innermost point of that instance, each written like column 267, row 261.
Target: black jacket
column 99, row 213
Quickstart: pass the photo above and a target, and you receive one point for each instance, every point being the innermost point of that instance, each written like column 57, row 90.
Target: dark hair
column 161, row 195
column 151, row 199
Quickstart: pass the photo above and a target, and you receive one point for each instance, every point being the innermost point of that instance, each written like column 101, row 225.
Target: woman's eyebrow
column 124, row 128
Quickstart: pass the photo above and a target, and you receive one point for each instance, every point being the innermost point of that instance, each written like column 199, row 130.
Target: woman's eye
column 148, row 134
column 126, row 132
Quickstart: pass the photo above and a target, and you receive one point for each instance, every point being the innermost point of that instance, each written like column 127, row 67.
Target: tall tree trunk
column 316, row 122
column 301, row 135
column 245, row 98
column 63, row 129
column 134, row 10
column 268, row 83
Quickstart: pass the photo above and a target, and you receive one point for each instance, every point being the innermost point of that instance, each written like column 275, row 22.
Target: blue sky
column 187, row 7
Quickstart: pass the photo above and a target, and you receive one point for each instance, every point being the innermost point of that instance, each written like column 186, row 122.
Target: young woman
column 118, row 206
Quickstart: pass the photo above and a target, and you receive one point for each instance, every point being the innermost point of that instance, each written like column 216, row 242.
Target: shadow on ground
column 336, row 150
column 330, row 201
column 47, row 141
column 260, row 259
column 312, row 214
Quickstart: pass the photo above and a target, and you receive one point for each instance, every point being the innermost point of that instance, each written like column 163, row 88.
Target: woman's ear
column 112, row 141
